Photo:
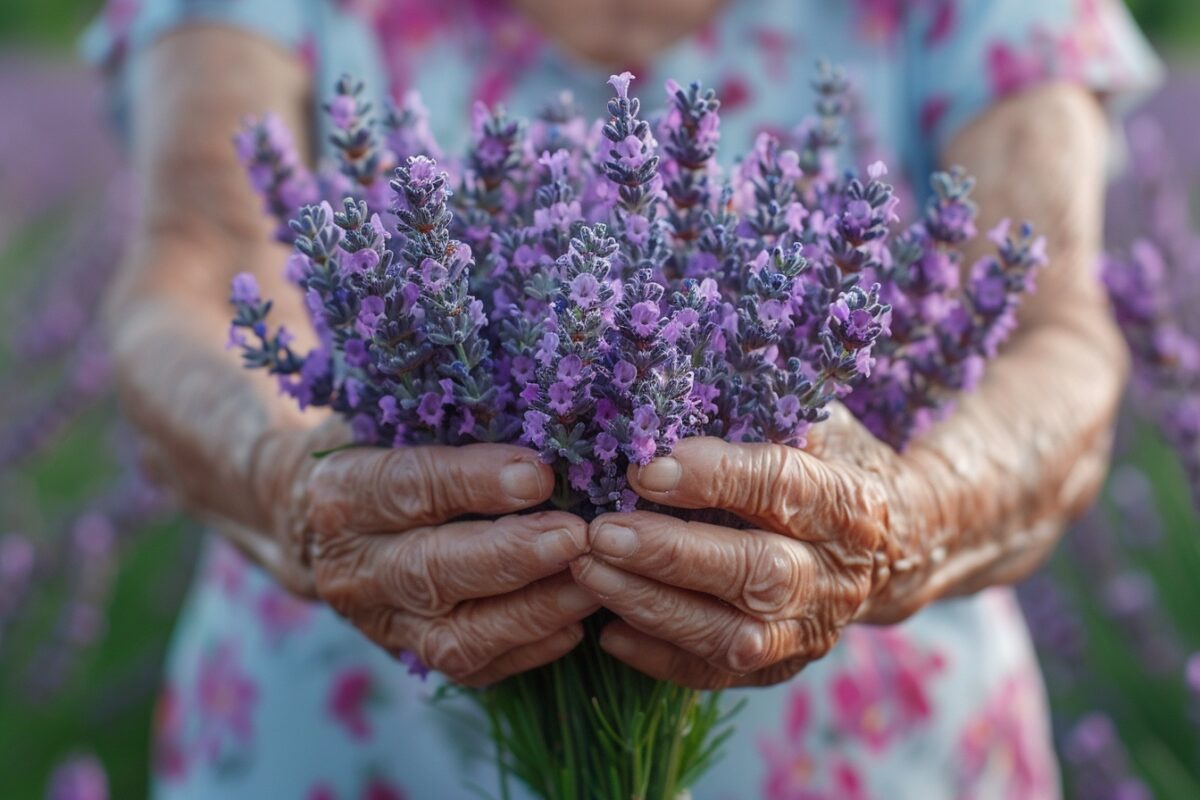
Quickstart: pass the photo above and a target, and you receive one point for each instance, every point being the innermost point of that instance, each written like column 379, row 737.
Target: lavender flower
column 942, row 332
column 407, row 129
column 1152, row 289
column 78, row 777
column 626, row 300
column 690, row 132
column 363, row 156
column 600, row 298
column 268, row 152
column 1098, row 762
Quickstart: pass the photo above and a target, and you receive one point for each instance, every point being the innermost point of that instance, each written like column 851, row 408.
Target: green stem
column 682, row 722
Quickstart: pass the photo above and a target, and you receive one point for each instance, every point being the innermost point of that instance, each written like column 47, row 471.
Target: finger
column 780, row 488
column 527, row 657
column 382, row 490
column 478, row 632
column 666, row 662
column 661, row 660
column 702, row 625
column 428, row 571
column 763, row 574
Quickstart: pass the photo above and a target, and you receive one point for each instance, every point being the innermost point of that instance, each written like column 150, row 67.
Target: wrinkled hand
column 710, row 606
column 476, row 600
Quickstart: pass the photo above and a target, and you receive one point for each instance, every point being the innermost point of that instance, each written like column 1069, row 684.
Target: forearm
column 199, row 414
column 995, row 484
column 201, row 417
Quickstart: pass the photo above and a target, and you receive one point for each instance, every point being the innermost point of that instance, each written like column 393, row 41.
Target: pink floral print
column 349, row 697
column 880, row 21
column 280, row 614
column 945, row 18
column 226, row 569
column 884, row 690
column 999, row 739
column 797, row 768
column 257, row 676
column 224, row 698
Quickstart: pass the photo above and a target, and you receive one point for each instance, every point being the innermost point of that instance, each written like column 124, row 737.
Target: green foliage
column 1171, row 23
column 105, row 705
column 53, row 22
column 1154, row 712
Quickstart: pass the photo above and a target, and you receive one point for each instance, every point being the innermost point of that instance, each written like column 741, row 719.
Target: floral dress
column 267, row 696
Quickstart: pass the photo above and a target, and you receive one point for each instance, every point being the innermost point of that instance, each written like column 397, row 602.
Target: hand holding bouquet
column 599, row 294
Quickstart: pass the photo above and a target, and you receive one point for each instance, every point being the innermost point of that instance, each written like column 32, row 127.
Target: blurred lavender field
column 88, row 586
column 93, row 565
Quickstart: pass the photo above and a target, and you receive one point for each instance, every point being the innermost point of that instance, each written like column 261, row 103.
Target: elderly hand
column 477, row 600
column 850, row 530
column 710, row 606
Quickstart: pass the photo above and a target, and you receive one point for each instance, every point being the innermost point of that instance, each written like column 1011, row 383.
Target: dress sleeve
column 330, row 37
column 124, row 26
column 966, row 54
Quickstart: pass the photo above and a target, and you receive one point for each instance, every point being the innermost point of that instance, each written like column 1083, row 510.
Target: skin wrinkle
column 982, row 497
column 240, row 455
column 975, row 487
column 772, row 582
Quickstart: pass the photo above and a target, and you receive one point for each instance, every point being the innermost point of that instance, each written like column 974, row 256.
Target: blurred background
column 93, row 566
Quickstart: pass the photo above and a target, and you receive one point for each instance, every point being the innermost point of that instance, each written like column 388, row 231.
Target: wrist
column 276, row 469
column 917, row 519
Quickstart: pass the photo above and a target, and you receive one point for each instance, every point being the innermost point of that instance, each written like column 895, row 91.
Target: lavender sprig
column 268, row 152
column 690, row 132
column 1151, row 295
column 363, row 157
column 627, row 300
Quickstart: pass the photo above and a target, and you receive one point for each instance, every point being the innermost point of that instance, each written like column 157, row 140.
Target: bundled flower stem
column 597, row 297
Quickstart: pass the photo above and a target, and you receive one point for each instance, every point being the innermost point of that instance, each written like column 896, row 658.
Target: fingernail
column 572, row 599
column 660, row 475
column 557, row 547
column 617, row 644
column 615, row 541
column 522, row 481
column 602, row 579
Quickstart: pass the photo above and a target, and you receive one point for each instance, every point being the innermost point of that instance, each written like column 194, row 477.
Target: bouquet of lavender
column 597, row 293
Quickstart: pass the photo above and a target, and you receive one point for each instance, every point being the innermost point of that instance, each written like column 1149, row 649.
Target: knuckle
column 325, row 507
column 672, row 554
column 405, row 484
column 787, row 507
column 724, row 491
column 772, row 582
column 875, row 513
column 444, row 649
column 844, row 584
column 338, row 572
column 765, row 495
column 750, row 648
column 859, row 508
column 516, row 530
column 410, row 580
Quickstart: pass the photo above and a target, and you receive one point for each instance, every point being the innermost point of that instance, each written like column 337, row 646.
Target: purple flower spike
column 620, row 84
column 599, row 298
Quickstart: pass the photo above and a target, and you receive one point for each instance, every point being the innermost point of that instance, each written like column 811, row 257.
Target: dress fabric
column 267, row 696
